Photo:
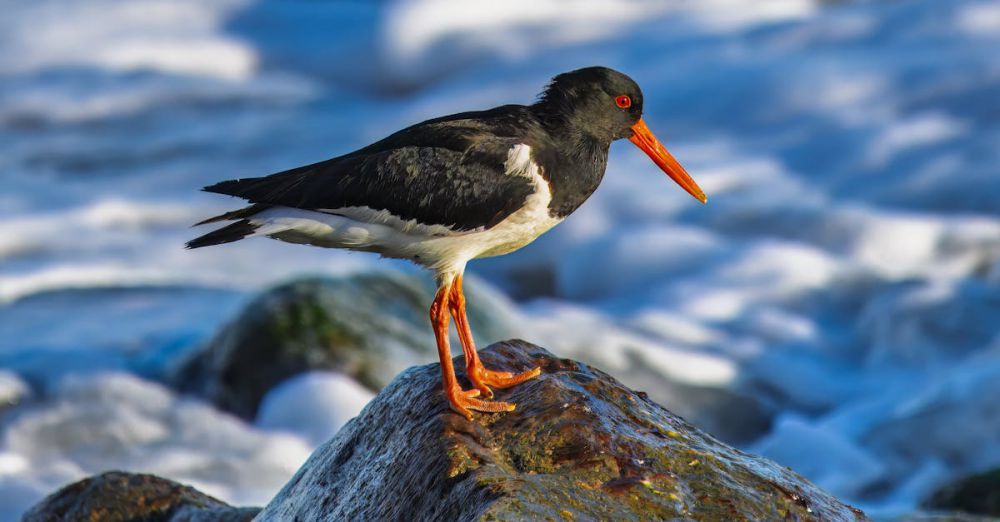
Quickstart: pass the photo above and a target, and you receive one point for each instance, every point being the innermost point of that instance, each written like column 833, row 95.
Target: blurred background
column 835, row 307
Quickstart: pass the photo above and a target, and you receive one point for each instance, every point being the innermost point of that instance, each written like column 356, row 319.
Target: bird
column 448, row 190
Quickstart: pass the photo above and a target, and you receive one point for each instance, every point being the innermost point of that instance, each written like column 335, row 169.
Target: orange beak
column 645, row 140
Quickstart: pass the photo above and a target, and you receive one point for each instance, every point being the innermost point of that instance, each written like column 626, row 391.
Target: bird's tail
column 227, row 234
column 232, row 232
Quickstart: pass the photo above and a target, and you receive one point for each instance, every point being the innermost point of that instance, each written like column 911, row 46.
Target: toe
column 461, row 410
column 489, row 406
column 487, row 393
column 507, row 379
column 465, row 401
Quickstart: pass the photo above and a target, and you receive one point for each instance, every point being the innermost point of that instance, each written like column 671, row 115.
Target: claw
column 462, row 401
column 483, row 379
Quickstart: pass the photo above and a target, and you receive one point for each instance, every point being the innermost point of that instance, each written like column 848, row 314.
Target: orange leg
column 481, row 378
column 461, row 400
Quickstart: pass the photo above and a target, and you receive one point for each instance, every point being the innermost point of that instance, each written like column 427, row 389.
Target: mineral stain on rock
column 580, row 446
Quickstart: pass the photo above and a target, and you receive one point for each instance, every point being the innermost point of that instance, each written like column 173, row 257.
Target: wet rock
column 369, row 327
column 580, row 446
column 977, row 494
column 117, row 496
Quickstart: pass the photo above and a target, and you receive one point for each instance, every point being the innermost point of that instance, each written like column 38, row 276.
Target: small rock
column 977, row 494
column 116, row 496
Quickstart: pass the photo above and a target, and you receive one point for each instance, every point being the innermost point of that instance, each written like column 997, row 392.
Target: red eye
column 623, row 101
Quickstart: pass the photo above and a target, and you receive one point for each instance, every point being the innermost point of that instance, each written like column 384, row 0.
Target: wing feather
column 442, row 172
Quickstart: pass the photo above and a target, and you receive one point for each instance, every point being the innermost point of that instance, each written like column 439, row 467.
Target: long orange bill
column 645, row 140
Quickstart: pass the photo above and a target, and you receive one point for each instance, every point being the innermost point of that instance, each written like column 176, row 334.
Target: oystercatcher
column 456, row 188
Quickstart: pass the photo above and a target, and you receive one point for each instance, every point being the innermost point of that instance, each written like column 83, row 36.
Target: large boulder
column 580, row 446
column 120, row 497
column 368, row 327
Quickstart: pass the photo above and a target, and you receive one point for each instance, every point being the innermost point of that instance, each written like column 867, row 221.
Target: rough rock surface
column 580, row 446
column 119, row 497
column 369, row 327
column 978, row 494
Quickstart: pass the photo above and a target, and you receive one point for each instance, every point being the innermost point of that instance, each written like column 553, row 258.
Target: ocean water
column 845, row 273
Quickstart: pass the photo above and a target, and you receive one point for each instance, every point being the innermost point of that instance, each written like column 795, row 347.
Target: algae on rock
column 580, row 446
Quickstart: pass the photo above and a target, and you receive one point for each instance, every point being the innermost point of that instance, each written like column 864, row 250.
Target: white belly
column 434, row 246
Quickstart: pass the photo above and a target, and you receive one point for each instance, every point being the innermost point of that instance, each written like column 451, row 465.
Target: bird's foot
column 462, row 401
column 484, row 380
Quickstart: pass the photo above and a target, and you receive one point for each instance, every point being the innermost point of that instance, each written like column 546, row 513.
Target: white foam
column 170, row 36
column 13, row 389
column 919, row 130
column 117, row 421
column 313, row 405
column 980, row 19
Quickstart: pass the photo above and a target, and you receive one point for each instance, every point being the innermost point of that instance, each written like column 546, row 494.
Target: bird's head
column 606, row 105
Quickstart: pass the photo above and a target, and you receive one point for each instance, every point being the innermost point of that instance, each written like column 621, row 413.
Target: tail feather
column 242, row 213
column 227, row 234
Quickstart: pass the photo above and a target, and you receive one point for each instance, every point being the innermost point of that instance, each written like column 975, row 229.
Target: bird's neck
column 562, row 125
column 574, row 165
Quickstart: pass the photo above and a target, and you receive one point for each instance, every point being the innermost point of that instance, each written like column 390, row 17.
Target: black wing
column 448, row 171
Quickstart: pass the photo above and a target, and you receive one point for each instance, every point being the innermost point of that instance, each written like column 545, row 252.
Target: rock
column 580, row 446
column 117, row 496
column 369, row 327
column 977, row 494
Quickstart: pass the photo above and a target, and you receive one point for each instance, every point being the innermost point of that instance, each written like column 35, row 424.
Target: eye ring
column 623, row 101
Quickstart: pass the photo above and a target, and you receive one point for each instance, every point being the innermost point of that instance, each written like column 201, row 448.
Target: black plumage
column 448, row 171
column 227, row 234
column 453, row 171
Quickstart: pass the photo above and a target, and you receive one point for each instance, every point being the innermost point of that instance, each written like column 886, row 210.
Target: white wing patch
column 519, row 161
column 528, row 222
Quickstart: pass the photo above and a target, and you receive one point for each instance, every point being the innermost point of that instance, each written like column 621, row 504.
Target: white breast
column 527, row 223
